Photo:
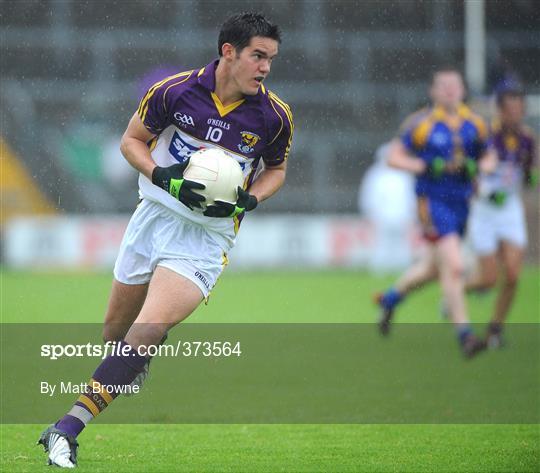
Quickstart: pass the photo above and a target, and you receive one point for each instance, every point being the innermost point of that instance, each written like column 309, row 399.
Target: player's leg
column 485, row 275
column 512, row 234
column 484, row 223
column 450, row 220
column 170, row 299
column 125, row 304
column 425, row 270
column 511, row 259
column 132, row 271
column 419, row 274
column 451, row 276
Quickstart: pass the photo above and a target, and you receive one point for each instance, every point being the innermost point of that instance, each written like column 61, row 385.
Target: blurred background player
column 442, row 145
column 172, row 255
column 497, row 225
column 392, row 222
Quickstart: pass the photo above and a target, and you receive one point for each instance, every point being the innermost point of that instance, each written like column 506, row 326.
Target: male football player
column 497, row 225
column 172, row 253
column 442, row 145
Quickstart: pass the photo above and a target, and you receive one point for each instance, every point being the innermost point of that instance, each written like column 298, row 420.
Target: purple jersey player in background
column 172, row 253
column 497, row 224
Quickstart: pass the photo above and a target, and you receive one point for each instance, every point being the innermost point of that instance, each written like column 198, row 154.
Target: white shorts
column 156, row 236
column 490, row 224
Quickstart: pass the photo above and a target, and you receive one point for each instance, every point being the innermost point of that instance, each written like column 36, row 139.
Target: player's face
column 252, row 65
column 512, row 111
column 447, row 89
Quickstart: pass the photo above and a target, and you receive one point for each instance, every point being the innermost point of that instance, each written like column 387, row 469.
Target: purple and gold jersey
column 431, row 133
column 185, row 115
column 516, row 150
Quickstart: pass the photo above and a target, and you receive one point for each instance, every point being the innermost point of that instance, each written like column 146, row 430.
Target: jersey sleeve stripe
column 173, row 85
column 283, row 105
column 412, row 120
column 288, row 113
column 143, row 106
column 148, row 94
column 421, row 132
column 285, row 108
column 280, row 118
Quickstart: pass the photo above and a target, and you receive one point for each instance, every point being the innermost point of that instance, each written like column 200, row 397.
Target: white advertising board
column 286, row 241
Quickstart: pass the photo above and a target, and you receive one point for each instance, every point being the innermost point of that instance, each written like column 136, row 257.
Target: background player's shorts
column 439, row 218
column 491, row 224
column 156, row 236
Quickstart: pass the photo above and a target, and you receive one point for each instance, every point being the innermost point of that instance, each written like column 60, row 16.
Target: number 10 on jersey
column 214, row 134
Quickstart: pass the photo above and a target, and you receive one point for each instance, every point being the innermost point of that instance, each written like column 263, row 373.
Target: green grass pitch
column 280, row 298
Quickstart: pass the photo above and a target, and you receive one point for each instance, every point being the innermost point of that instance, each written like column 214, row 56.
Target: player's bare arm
column 269, row 182
column 488, row 162
column 134, row 146
column 400, row 158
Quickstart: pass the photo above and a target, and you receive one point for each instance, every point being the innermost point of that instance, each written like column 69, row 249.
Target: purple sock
column 70, row 425
column 116, row 371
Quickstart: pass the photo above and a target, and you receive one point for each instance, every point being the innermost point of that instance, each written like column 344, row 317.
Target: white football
column 219, row 172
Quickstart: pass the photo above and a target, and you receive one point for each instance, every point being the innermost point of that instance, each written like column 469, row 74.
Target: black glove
column 171, row 180
column 244, row 203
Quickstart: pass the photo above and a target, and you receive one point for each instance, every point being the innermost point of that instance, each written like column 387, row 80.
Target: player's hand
column 531, row 178
column 437, row 167
column 470, row 168
column 498, row 198
column 244, row 203
column 171, row 180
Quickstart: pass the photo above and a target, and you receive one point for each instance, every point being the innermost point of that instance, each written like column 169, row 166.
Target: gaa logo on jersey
column 184, row 119
column 249, row 140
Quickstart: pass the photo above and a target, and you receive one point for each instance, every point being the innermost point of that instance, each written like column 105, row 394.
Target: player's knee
column 456, row 270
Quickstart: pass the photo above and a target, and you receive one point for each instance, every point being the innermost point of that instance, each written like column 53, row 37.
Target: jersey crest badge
column 249, row 140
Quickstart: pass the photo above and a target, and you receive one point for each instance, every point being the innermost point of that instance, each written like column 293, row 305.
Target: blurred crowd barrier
column 290, row 242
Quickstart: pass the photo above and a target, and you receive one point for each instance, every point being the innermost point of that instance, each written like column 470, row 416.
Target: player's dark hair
column 239, row 29
column 509, row 93
column 450, row 68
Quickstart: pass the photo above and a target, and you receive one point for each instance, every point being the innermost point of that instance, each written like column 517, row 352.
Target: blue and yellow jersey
column 431, row 133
